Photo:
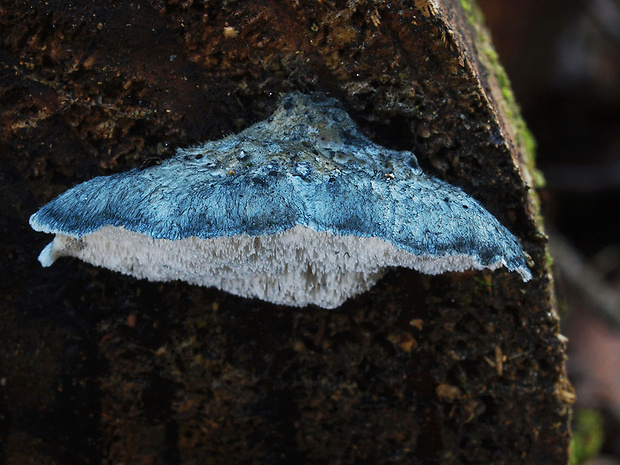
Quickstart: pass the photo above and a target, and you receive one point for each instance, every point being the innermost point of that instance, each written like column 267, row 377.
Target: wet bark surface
column 101, row 368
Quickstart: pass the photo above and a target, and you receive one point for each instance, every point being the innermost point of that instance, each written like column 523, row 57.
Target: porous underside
column 297, row 267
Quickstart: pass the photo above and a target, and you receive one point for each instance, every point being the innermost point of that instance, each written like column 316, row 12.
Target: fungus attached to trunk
column 299, row 209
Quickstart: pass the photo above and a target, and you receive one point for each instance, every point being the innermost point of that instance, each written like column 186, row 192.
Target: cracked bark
column 102, row 368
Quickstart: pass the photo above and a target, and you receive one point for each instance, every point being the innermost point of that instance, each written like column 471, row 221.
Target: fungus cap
column 298, row 209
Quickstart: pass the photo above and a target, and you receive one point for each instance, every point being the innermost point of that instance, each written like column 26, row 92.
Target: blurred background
column 563, row 58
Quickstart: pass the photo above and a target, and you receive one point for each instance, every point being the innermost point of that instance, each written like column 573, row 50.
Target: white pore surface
column 296, row 267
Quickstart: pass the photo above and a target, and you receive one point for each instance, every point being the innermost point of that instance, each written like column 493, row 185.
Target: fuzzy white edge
column 297, row 267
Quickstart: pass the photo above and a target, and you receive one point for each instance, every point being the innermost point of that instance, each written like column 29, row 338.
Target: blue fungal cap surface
column 292, row 205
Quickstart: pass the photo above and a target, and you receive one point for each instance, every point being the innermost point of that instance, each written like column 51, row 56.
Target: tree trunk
column 102, row 368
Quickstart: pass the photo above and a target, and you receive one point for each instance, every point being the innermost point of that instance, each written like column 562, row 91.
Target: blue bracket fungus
column 299, row 209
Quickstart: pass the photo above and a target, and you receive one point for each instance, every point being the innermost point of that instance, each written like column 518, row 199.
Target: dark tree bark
column 102, row 368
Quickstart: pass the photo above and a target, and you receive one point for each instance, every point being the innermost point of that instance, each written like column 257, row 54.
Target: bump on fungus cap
column 298, row 209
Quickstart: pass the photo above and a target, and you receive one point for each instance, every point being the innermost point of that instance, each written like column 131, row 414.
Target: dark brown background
column 98, row 367
column 564, row 62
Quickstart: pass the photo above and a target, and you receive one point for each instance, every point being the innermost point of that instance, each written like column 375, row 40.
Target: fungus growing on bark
column 299, row 209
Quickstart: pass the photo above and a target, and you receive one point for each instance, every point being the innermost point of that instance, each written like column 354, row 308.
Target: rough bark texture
column 102, row 368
